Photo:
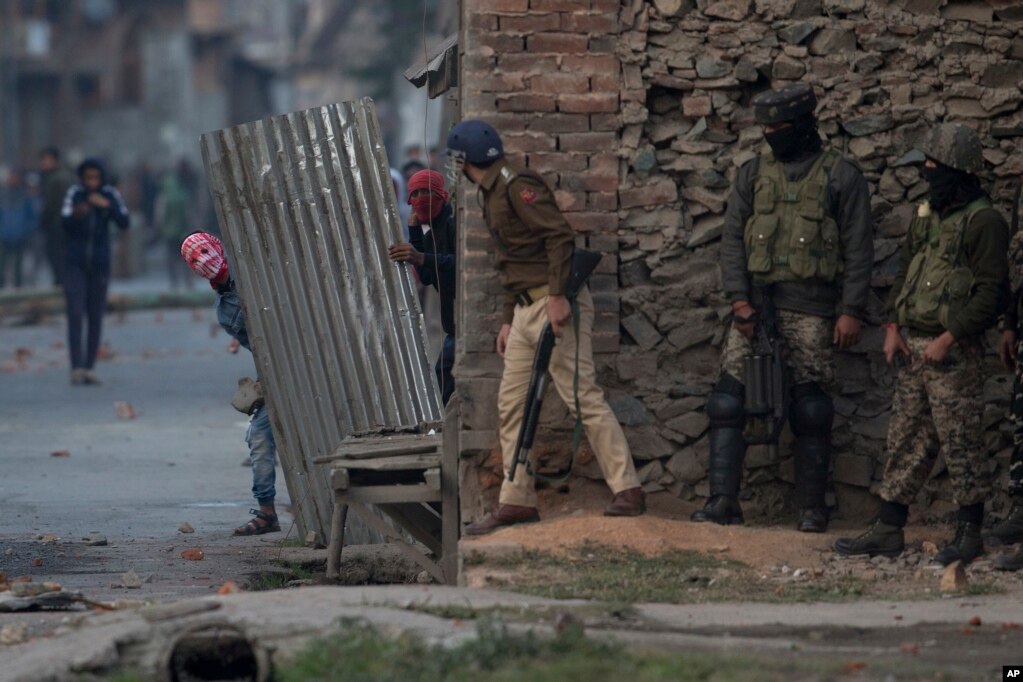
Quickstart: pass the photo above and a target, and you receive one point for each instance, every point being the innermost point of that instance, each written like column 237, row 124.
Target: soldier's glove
column 249, row 396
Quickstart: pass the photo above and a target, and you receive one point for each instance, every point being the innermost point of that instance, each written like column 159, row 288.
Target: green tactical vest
column 792, row 234
column 937, row 284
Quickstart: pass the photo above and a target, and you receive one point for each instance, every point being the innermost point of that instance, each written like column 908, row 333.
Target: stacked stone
column 680, row 80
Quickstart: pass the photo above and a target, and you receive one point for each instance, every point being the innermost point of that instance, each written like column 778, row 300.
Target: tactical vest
column 938, row 284
column 792, row 234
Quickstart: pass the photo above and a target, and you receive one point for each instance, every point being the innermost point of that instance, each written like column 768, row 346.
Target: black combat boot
column 1010, row 562
column 880, row 539
column 727, row 450
column 966, row 546
column 1009, row 530
column 811, row 416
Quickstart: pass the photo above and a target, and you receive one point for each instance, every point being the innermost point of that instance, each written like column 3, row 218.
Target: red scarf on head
column 429, row 206
column 204, row 254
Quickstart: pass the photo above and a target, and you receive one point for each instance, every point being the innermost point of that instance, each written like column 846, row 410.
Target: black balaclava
column 797, row 140
column 951, row 189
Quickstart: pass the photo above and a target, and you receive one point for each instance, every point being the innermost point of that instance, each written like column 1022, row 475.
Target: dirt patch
column 575, row 519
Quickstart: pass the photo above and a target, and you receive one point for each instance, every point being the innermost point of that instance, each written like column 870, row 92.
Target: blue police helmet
column 478, row 141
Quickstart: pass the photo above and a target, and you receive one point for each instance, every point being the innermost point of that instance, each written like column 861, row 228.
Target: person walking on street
column 204, row 255
column 89, row 208
column 433, row 256
column 173, row 219
column 798, row 236
column 534, row 246
column 55, row 179
column 18, row 219
column 947, row 293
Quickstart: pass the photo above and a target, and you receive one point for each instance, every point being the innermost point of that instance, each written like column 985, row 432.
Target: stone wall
column 638, row 113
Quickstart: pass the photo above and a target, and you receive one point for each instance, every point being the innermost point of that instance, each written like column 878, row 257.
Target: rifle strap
column 577, row 432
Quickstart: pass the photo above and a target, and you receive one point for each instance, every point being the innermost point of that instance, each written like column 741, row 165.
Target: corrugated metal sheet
column 307, row 209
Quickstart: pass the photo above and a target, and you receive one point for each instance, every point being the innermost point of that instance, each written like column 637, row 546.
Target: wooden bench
column 408, row 478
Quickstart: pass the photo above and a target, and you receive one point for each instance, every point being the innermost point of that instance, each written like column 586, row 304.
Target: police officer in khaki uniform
column 953, row 274
column 797, row 230
column 533, row 249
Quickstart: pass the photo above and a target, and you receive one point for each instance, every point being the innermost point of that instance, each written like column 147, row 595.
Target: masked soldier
column 534, row 246
column 797, row 233
column 1010, row 530
column 947, row 293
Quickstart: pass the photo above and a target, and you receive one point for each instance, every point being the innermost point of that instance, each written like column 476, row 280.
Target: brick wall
column 637, row 112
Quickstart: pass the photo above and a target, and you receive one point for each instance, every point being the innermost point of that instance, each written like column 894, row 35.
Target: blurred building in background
column 138, row 79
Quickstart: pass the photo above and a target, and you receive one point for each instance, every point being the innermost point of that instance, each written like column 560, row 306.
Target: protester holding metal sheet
column 534, row 254
column 205, row 255
column 432, row 253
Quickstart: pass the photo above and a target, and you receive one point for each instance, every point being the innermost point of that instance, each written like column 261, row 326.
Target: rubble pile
column 885, row 72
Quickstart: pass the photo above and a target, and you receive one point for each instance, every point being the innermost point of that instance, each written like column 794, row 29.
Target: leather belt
column 531, row 296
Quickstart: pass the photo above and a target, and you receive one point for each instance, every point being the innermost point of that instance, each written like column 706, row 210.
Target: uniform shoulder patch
column 528, row 195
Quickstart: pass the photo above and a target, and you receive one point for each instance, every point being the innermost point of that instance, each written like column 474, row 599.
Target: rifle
column 583, row 264
column 766, row 382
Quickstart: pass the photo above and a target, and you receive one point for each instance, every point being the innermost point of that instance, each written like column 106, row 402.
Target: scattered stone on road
column 124, row 410
column 95, row 540
column 193, row 555
column 131, row 580
column 33, row 589
column 14, row 633
column 954, row 578
column 60, row 453
column 186, row 527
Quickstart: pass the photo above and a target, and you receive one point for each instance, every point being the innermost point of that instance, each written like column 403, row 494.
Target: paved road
column 135, row 481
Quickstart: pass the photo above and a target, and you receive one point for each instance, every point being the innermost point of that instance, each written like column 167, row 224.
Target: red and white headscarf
column 427, row 207
column 204, row 254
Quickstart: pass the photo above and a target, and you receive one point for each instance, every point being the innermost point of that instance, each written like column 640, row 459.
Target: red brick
column 531, row 23
column 605, row 122
column 525, row 102
column 587, row 221
column 590, row 182
column 527, row 142
column 590, row 103
column 577, row 22
column 604, row 163
column 587, row 142
column 570, row 201
column 506, row 123
column 597, row 63
column 602, row 44
column 488, row 81
column 557, row 83
column 559, row 5
column 605, row 5
column 602, row 201
column 483, row 22
column 501, row 5
column 606, row 82
column 561, row 123
column 558, row 43
column 558, row 161
column 527, row 63
column 502, row 43
column 662, row 192
column 605, row 243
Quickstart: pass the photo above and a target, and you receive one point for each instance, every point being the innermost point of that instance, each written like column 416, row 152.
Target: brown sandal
column 253, row 527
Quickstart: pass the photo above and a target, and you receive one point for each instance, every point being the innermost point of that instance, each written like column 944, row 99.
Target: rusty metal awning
column 439, row 71
column 307, row 208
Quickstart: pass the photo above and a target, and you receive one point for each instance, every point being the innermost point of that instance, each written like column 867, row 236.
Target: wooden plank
column 388, row 446
column 450, row 525
column 400, row 463
column 390, row 494
column 432, row 478
column 418, row 521
column 339, row 480
column 405, row 548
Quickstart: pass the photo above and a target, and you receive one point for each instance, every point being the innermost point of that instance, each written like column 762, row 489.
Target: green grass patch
column 362, row 654
column 278, row 579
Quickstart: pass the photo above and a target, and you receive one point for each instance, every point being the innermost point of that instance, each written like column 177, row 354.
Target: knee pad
column 725, row 406
column 812, row 411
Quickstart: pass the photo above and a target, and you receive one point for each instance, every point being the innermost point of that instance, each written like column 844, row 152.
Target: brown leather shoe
column 504, row 515
column 631, row 502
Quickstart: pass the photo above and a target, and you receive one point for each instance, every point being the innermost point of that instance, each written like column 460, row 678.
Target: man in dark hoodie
column 433, row 255
column 89, row 208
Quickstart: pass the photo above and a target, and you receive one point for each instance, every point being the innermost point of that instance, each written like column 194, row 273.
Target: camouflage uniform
column 806, row 343
column 932, row 405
